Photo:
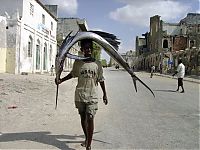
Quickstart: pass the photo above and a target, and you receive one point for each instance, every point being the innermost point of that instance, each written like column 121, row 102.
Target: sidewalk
column 191, row 78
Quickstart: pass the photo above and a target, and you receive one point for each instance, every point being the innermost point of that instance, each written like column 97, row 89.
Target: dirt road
column 28, row 116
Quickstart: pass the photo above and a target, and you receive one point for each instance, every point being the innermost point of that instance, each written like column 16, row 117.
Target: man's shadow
column 44, row 137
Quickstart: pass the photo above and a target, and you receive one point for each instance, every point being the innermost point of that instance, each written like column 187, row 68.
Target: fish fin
column 134, row 82
column 110, row 38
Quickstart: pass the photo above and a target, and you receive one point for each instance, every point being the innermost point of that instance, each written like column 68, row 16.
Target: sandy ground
column 28, row 117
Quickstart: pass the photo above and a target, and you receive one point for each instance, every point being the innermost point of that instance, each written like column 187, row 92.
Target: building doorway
column 45, row 57
column 38, row 55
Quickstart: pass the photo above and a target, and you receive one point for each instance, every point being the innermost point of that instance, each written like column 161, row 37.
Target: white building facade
column 30, row 36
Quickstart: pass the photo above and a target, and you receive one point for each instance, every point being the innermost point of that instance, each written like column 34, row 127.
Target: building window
column 51, row 26
column 43, row 18
column 31, row 9
column 30, row 45
column 165, row 44
column 38, row 55
column 192, row 43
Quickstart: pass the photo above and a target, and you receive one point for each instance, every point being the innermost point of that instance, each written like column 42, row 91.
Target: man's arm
column 175, row 73
column 105, row 100
column 69, row 76
column 178, row 68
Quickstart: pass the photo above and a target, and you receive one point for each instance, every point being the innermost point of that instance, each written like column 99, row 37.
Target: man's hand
column 58, row 82
column 105, row 100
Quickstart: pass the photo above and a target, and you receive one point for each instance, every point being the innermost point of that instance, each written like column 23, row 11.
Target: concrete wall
column 3, row 46
column 155, row 29
column 12, row 43
column 171, row 29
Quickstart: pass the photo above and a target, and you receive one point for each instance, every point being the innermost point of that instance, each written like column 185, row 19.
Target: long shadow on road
column 40, row 137
column 45, row 138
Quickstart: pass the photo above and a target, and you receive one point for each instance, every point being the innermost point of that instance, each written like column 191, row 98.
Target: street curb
column 184, row 79
column 168, row 76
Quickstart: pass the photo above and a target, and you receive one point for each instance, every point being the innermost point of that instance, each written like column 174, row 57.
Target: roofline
column 38, row 1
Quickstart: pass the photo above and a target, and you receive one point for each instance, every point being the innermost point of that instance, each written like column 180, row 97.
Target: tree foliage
column 96, row 51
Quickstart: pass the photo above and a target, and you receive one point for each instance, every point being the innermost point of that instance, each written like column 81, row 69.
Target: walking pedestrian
column 52, row 70
column 152, row 71
column 180, row 74
column 89, row 73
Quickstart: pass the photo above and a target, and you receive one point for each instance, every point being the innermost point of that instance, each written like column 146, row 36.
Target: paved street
column 130, row 121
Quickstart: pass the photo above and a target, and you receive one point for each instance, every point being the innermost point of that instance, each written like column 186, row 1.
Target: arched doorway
column 38, row 55
column 165, row 43
column 45, row 57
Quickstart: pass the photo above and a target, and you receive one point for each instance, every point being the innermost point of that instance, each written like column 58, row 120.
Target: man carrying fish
column 89, row 72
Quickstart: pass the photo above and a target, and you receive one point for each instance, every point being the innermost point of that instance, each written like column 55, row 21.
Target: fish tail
column 134, row 82
column 56, row 96
column 134, row 77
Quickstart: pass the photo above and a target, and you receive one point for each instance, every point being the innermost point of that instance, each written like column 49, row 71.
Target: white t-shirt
column 89, row 74
column 181, row 71
column 152, row 68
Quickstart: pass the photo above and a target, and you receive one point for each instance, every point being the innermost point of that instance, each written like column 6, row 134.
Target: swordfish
column 109, row 43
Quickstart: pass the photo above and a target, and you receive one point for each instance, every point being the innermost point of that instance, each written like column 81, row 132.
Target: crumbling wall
column 179, row 43
column 3, row 44
column 11, row 47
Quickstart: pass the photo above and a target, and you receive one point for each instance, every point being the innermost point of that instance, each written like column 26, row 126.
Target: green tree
column 96, row 51
column 104, row 63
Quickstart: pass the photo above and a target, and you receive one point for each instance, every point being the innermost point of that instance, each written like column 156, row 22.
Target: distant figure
column 160, row 68
column 117, row 66
column 52, row 70
column 152, row 71
column 133, row 68
column 180, row 74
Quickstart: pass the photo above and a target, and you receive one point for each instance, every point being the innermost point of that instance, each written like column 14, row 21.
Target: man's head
column 86, row 47
column 179, row 61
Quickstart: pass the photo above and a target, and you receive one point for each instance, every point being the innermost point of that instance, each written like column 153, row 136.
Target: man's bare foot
column 88, row 148
column 83, row 144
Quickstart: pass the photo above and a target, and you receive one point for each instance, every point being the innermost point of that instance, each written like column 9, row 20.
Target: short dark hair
column 179, row 61
column 86, row 41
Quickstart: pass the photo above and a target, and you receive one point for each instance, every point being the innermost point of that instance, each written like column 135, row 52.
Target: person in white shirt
column 180, row 74
column 152, row 71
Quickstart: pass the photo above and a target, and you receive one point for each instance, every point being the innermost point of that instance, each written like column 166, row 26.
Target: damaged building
column 167, row 42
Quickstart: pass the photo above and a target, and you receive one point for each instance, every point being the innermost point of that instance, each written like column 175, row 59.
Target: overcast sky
column 124, row 18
